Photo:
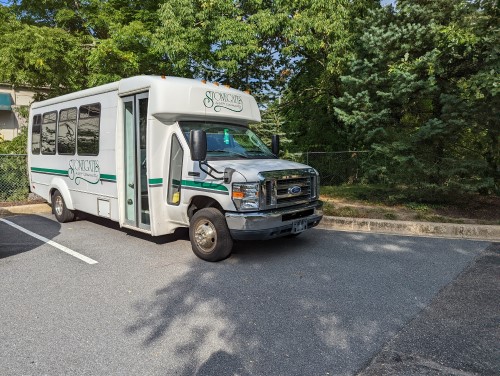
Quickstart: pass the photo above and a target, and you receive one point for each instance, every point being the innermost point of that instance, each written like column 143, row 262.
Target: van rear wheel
column 62, row 213
column 210, row 237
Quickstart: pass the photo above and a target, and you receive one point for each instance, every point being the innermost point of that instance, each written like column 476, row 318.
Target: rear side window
column 66, row 132
column 88, row 129
column 49, row 122
column 35, row 134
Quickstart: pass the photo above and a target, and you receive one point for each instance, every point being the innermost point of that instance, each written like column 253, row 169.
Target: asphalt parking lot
column 325, row 303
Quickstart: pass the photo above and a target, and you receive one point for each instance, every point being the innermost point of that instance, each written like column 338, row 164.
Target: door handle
column 131, row 185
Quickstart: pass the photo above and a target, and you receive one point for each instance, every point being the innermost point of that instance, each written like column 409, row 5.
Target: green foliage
column 18, row 145
column 232, row 42
column 320, row 35
column 422, row 75
column 416, row 84
column 66, row 45
column 272, row 124
column 42, row 57
column 14, row 185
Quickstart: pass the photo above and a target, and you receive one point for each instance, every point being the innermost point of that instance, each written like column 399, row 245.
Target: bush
column 14, row 184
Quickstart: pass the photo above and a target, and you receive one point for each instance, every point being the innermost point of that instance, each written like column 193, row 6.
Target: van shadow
column 248, row 249
column 179, row 234
column 14, row 242
column 262, row 250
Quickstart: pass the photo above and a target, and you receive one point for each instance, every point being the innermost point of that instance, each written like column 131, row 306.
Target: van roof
column 125, row 86
column 175, row 97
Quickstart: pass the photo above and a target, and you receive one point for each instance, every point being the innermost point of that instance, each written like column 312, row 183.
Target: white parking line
column 86, row 259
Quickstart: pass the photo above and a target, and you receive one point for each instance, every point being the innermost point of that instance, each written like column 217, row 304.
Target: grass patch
column 423, row 208
column 410, row 203
column 370, row 193
column 415, row 198
column 390, row 216
column 357, row 212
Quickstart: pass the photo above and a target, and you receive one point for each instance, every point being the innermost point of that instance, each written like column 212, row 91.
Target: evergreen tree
column 421, row 74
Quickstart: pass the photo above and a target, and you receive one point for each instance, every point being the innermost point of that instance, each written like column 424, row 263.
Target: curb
column 25, row 209
column 448, row 230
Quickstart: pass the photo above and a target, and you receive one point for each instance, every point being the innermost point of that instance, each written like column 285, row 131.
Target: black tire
column 209, row 235
column 62, row 213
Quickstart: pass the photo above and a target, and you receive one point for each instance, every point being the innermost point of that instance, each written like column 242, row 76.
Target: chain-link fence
column 335, row 168
column 14, row 184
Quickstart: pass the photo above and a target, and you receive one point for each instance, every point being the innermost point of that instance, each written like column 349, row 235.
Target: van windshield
column 228, row 141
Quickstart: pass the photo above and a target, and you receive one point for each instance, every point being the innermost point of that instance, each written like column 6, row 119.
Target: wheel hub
column 58, row 205
column 205, row 236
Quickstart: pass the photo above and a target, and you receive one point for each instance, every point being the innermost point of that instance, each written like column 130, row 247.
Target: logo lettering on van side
column 218, row 101
column 84, row 169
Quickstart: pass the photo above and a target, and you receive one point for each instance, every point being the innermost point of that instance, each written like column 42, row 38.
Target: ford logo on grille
column 295, row 190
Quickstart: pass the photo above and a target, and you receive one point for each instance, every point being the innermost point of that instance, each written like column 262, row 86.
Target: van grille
column 288, row 187
column 284, row 186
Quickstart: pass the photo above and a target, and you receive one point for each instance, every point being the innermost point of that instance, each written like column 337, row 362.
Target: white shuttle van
column 159, row 153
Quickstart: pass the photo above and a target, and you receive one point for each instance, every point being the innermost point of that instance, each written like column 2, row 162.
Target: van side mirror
column 198, row 145
column 275, row 144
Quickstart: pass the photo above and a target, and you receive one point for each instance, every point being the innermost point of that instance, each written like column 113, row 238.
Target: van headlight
column 246, row 196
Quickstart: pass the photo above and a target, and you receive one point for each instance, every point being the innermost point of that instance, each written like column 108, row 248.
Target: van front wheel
column 62, row 213
column 210, row 237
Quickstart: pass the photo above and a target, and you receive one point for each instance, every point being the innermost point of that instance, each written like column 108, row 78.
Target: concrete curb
column 448, row 230
column 25, row 209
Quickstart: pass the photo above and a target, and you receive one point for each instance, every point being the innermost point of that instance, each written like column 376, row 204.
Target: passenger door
column 135, row 110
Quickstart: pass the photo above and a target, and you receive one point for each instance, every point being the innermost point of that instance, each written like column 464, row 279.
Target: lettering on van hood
column 219, row 100
column 84, row 169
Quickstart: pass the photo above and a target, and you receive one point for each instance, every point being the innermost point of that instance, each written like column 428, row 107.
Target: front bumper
column 272, row 223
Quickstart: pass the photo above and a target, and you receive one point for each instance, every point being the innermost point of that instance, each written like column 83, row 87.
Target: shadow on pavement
column 14, row 241
column 322, row 303
column 180, row 233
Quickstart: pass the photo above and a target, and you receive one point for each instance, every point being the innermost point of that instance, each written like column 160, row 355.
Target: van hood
column 250, row 168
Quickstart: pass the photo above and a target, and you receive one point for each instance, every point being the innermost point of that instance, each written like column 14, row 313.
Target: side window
column 35, row 134
column 49, row 133
column 66, row 132
column 88, row 129
column 175, row 172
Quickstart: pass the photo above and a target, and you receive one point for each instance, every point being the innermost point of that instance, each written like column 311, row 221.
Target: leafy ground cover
column 407, row 204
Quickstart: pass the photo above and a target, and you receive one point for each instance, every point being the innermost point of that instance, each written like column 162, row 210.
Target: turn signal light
column 238, row 195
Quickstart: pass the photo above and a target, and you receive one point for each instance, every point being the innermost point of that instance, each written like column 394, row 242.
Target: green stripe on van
column 204, row 185
column 108, row 177
column 156, row 181
column 49, row 171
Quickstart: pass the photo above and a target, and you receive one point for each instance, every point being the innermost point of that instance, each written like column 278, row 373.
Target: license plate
column 299, row 226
